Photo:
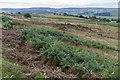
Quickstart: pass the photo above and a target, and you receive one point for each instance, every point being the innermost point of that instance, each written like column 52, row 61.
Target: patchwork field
column 48, row 45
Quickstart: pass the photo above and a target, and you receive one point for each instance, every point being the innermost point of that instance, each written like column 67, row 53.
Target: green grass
column 102, row 23
column 84, row 21
column 11, row 70
column 60, row 18
column 14, row 70
column 79, row 61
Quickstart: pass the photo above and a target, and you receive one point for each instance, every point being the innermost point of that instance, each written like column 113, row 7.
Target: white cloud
column 57, row 3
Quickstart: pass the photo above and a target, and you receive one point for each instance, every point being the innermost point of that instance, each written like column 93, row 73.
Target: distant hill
column 73, row 11
column 26, row 10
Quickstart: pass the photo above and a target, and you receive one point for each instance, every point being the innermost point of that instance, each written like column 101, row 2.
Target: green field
column 83, row 20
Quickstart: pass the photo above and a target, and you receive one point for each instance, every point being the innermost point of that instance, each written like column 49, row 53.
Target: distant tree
column 81, row 16
column 56, row 13
column 104, row 19
column 65, row 14
column 86, row 17
column 76, row 16
column 11, row 13
column 89, row 17
column 3, row 12
column 118, row 21
column 59, row 14
column 107, row 20
column 27, row 15
column 113, row 19
column 93, row 17
column 100, row 19
column 18, row 12
column 71, row 15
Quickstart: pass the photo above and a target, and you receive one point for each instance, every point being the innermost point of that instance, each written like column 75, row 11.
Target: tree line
column 94, row 18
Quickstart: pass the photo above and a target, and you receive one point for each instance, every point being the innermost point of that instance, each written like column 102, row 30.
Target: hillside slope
column 60, row 46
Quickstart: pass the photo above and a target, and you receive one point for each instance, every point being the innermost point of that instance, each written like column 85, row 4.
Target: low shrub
column 77, row 61
column 7, row 23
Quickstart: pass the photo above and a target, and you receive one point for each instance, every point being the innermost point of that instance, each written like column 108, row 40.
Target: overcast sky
column 58, row 3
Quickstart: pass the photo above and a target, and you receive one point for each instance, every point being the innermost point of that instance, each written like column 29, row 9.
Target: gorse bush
column 77, row 61
column 27, row 15
column 8, row 23
column 5, row 18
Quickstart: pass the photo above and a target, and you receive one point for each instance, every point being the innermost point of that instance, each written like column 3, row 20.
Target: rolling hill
column 73, row 11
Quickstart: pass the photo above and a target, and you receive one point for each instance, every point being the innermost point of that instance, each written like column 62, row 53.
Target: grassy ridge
column 42, row 16
column 74, row 18
column 80, row 62
column 74, row 39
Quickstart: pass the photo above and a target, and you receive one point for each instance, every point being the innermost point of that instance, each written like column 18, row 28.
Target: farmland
column 58, row 46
